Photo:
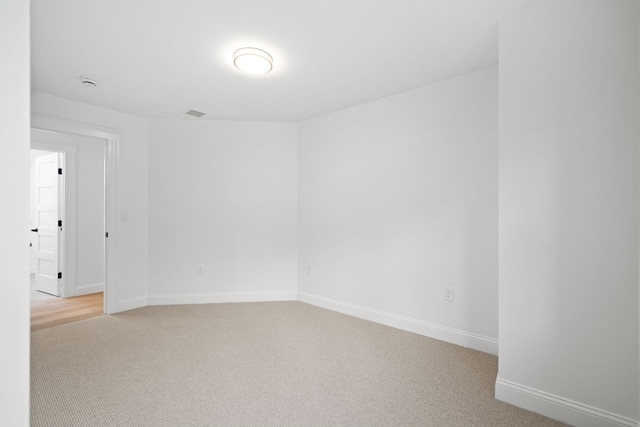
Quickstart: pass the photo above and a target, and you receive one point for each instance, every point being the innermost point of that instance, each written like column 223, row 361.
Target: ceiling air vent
column 195, row 113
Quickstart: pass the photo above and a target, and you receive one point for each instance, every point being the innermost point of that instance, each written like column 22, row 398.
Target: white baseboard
column 443, row 333
column 559, row 408
column 91, row 288
column 220, row 297
column 131, row 303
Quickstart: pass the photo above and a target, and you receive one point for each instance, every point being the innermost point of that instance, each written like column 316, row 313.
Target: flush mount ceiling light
column 252, row 60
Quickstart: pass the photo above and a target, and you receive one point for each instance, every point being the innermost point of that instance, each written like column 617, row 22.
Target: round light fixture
column 252, row 60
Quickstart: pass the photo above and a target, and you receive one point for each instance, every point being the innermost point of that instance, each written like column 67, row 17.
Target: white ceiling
column 158, row 59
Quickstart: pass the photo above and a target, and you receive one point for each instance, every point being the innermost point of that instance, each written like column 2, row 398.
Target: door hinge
column 60, row 275
column 59, row 223
column 59, row 171
column 106, row 234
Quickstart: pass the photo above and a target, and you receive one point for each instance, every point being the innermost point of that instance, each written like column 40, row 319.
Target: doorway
column 111, row 139
column 68, row 226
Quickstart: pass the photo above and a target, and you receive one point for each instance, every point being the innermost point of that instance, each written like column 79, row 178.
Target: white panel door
column 47, row 215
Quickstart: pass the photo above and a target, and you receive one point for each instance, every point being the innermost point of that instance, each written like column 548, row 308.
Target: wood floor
column 46, row 314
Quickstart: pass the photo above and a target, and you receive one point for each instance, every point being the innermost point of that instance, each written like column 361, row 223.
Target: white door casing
column 112, row 138
column 81, row 245
column 47, row 185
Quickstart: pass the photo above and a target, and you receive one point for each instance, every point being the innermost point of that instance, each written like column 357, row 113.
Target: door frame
column 112, row 140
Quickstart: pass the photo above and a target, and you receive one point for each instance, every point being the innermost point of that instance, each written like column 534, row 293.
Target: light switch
column 124, row 216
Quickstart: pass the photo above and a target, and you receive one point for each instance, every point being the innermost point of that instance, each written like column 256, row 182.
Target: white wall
column 14, row 213
column 397, row 199
column 569, row 211
column 132, row 192
column 222, row 195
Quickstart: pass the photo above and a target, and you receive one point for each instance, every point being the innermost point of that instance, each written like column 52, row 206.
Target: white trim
column 559, row 408
column 443, row 333
column 90, row 288
column 112, row 157
column 54, row 124
column 220, row 297
column 112, row 139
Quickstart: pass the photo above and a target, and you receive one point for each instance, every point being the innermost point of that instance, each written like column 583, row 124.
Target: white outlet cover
column 448, row 293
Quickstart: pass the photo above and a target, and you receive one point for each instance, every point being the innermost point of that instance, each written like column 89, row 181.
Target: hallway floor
column 58, row 311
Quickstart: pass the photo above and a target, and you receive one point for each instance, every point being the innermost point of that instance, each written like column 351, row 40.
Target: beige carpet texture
column 258, row 364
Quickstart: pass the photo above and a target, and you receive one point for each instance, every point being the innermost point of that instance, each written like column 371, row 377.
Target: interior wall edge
column 14, row 213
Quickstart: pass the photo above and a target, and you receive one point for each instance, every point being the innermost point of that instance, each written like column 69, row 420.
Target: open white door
column 47, row 229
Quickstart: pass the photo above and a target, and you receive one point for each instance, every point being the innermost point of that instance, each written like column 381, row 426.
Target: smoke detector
column 88, row 82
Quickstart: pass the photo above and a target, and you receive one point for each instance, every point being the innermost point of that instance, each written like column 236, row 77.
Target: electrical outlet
column 448, row 293
column 199, row 270
column 309, row 270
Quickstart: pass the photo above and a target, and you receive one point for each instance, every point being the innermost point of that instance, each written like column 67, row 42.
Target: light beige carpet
column 258, row 364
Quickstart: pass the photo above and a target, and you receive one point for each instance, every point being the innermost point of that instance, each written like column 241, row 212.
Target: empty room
column 322, row 213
